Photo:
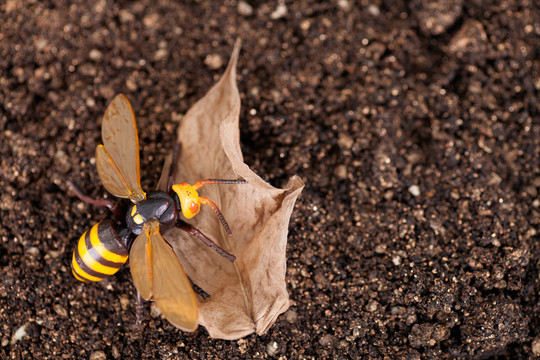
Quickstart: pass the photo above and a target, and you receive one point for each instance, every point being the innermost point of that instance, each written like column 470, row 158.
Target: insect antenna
column 200, row 183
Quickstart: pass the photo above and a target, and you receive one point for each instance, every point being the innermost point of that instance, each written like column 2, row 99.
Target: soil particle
column 470, row 38
column 98, row 355
column 536, row 347
column 244, row 8
column 435, row 17
column 427, row 335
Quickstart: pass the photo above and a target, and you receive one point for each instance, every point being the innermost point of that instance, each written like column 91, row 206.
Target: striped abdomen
column 99, row 253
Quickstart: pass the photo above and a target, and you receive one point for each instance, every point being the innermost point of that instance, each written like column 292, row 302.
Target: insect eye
column 193, row 207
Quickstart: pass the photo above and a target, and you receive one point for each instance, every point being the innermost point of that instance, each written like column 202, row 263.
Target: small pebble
column 107, row 91
column 95, row 55
column 372, row 306
column 374, row 10
column 531, row 191
column 305, row 25
column 344, row 4
column 272, row 348
column 291, row 316
column 19, row 334
column 125, row 16
column 154, row 310
column 124, row 302
column 60, row 310
column 213, row 61
column 98, row 355
column 244, row 8
column 345, row 141
column 414, row 190
column 53, row 254
column 88, row 69
column 341, row 172
column 536, row 347
column 131, row 84
column 151, row 20
column 90, row 102
column 435, row 17
column 33, row 251
column 161, row 54
column 471, row 37
column 388, row 195
column 41, row 44
column 411, row 319
column 115, row 352
column 280, row 12
column 327, row 340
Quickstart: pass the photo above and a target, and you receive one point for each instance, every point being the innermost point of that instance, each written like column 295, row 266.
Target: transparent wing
column 140, row 264
column 120, row 170
column 159, row 276
column 111, row 177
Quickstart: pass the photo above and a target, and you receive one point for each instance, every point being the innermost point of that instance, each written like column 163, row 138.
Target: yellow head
column 189, row 199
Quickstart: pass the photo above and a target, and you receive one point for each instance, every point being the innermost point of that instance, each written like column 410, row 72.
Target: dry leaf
column 248, row 295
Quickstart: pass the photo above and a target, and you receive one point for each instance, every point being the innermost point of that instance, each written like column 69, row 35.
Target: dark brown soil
column 416, row 127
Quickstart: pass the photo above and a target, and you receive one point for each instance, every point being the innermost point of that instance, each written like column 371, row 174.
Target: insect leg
column 192, row 230
column 198, row 290
column 115, row 207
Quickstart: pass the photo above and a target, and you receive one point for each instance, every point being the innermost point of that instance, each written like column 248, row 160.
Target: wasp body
column 101, row 251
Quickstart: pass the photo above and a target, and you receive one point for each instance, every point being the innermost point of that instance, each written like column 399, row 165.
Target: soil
column 415, row 125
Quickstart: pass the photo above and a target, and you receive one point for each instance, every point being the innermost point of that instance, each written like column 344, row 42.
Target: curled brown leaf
column 248, row 295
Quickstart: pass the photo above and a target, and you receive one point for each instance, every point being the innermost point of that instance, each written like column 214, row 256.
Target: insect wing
column 159, row 276
column 121, row 142
column 111, row 177
column 172, row 290
column 140, row 263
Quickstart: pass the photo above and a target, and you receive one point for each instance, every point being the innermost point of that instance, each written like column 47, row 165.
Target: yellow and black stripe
column 99, row 253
